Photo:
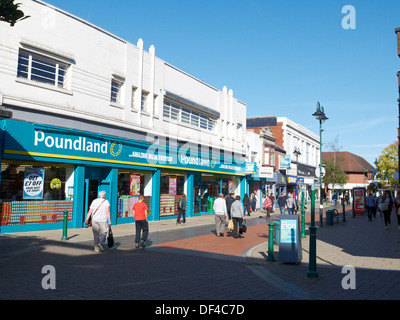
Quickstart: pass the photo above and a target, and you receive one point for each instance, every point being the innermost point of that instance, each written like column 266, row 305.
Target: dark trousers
column 386, row 215
column 247, row 209
column 181, row 213
column 370, row 211
column 142, row 227
column 237, row 223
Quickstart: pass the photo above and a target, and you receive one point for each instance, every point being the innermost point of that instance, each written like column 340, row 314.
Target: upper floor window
column 38, row 68
column 116, row 89
column 175, row 111
column 144, row 99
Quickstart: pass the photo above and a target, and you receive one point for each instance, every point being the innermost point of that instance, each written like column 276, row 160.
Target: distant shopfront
column 46, row 170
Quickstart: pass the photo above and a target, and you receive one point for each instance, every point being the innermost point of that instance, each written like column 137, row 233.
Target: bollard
column 271, row 243
column 64, row 236
column 344, row 214
column 277, row 232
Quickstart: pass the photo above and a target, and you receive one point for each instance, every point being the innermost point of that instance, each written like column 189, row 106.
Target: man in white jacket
column 220, row 215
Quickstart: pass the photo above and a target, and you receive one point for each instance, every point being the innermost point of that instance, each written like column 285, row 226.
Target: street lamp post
column 297, row 153
column 312, row 272
column 320, row 115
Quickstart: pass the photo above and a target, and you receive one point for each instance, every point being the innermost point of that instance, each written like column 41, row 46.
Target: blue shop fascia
column 47, row 170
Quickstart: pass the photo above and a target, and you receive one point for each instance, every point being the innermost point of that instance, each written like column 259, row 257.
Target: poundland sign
column 34, row 140
column 79, row 144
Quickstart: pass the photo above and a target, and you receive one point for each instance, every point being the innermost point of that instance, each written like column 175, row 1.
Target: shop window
column 35, row 193
column 172, row 187
column 130, row 186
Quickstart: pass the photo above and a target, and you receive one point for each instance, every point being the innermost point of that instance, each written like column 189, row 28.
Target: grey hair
column 102, row 194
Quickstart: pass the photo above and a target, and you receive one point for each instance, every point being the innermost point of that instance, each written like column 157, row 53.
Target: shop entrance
column 95, row 182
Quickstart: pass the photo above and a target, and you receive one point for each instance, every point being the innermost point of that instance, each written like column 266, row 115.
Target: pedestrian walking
column 370, row 203
column 99, row 212
column 237, row 217
column 387, row 206
column 254, row 200
column 229, row 200
column 140, row 212
column 290, row 204
column 334, row 199
column 271, row 196
column 182, row 204
column 347, row 199
column 397, row 206
column 246, row 204
column 221, row 213
column 282, row 203
column 268, row 206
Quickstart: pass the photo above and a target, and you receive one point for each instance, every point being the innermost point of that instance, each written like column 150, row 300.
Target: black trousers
column 181, row 213
column 237, row 223
column 142, row 229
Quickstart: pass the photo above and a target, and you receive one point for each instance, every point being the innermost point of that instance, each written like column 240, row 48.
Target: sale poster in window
column 33, row 183
column 172, row 186
column 135, row 185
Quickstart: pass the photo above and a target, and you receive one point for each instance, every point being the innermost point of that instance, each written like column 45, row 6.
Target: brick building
column 358, row 170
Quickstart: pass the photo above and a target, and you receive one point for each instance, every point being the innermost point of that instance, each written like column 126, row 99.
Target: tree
column 388, row 163
column 10, row 13
column 334, row 174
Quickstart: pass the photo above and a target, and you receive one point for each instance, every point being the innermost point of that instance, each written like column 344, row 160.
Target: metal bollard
column 271, row 243
column 65, row 221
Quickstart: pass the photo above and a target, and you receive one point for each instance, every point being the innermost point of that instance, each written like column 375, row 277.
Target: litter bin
column 329, row 217
column 277, row 232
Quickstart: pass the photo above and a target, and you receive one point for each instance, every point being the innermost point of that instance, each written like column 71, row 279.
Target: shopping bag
column 243, row 227
column 110, row 238
column 230, row 225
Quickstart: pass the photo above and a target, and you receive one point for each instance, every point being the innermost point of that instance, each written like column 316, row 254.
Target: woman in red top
column 268, row 206
column 140, row 212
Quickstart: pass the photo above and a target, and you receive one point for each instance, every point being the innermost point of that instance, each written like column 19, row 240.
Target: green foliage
column 388, row 163
column 334, row 173
column 9, row 12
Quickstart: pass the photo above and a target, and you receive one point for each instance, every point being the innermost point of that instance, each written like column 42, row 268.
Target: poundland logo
column 78, row 144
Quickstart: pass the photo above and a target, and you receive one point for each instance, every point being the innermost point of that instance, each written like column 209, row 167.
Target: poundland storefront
column 46, row 170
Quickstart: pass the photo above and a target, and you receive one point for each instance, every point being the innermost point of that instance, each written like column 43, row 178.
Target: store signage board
column 30, row 139
column 284, row 162
column 289, row 241
column 359, row 200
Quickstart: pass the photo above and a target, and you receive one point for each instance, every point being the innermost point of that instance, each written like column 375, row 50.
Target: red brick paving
column 223, row 245
column 254, row 236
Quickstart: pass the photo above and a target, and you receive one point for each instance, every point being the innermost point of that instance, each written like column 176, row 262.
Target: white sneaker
column 100, row 248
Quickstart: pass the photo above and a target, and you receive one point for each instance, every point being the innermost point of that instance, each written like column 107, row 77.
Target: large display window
column 132, row 184
column 172, row 187
column 207, row 188
column 33, row 192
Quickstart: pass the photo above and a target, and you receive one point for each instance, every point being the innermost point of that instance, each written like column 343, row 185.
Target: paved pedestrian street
column 190, row 263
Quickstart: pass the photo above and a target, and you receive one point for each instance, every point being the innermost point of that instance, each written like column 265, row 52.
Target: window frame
column 37, row 70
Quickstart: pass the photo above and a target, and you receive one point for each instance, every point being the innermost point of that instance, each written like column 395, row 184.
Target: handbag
column 383, row 206
column 110, row 238
column 243, row 227
column 90, row 218
column 230, row 225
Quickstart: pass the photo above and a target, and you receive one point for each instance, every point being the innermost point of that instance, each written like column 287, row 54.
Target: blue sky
column 278, row 57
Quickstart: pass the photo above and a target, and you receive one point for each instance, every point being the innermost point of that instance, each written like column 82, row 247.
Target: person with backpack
column 182, row 203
